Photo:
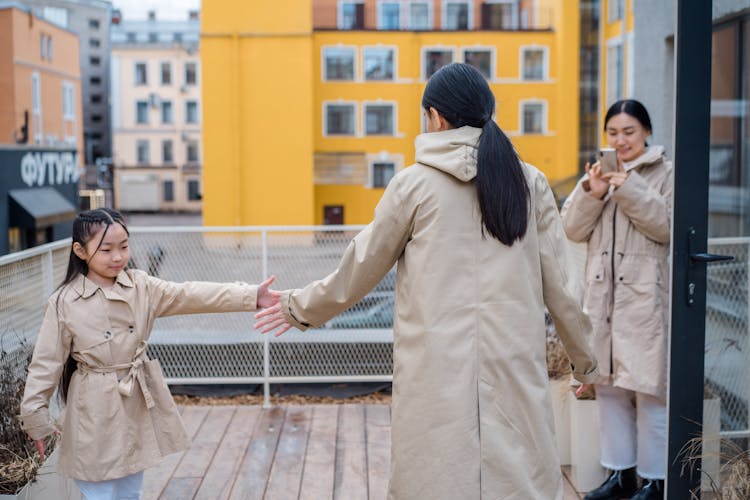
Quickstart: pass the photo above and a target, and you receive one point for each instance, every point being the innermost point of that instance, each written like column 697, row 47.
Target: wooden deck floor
column 288, row 452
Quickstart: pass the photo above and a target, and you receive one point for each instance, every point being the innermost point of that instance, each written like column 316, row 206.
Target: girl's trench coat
column 471, row 409
column 120, row 417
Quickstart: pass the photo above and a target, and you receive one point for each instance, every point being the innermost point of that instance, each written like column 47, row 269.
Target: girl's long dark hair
column 85, row 225
column 461, row 95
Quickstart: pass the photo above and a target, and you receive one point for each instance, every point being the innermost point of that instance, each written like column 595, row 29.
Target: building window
column 167, row 151
column 500, row 15
column 339, row 63
column 141, row 112
column 382, row 173
column 533, row 63
column 457, row 16
column 177, row 37
column 191, row 152
column 351, row 15
column 142, row 154
column 168, row 188
column 191, row 73
column 95, row 80
column 141, row 75
column 36, row 107
column 131, row 37
column 615, row 10
column 480, row 59
column 378, row 63
column 57, row 15
column 166, row 73
column 95, row 61
column 191, row 112
column 379, row 119
column 533, row 116
column 94, row 43
column 49, row 48
column 434, row 59
column 419, row 16
column 69, row 110
column 94, row 24
column 153, row 37
column 615, row 71
column 389, row 15
column 96, row 98
column 166, row 112
column 193, row 188
column 43, row 46
column 340, row 118
column 96, row 118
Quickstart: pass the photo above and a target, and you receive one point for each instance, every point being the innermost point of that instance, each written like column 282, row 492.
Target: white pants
column 128, row 487
column 633, row 431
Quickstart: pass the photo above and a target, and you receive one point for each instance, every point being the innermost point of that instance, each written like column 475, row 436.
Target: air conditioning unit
column 153, row 100
column 184, row 88
column 185, row 136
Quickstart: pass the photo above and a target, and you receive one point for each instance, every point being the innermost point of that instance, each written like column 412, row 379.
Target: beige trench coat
column 627, row 275
column 471, row 410
column 120, row 417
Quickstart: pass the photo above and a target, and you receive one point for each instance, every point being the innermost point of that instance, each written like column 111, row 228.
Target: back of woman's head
column 462, row 96
column 85, row 226
column 629, row 107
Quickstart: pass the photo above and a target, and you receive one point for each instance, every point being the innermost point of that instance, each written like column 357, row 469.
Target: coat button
column 608, row 319
column 597, row 276
column 621, row 278
column 107, row 334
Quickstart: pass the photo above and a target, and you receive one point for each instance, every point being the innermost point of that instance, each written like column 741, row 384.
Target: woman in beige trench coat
column 624, row 216
column 120, row 417
column 480, row 250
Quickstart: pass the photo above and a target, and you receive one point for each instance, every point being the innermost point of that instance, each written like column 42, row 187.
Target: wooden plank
column 351, row 454
column 219, row 479
column 156, row 478
column 252, row 474
column 198, row 457
column 320, row 458
column 286, row 473
column 378, row 429
column 180, row 488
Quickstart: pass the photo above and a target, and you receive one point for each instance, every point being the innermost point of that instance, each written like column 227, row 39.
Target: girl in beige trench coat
column 120, row 418
column 480, row 250
column 624, row 216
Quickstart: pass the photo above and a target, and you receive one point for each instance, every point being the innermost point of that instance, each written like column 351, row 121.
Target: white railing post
column 266, row 346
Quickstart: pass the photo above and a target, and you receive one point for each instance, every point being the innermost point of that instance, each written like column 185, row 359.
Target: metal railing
column 356, row 346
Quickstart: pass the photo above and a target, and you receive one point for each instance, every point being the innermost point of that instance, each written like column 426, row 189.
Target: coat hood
column 652, row 154
column 452, row 151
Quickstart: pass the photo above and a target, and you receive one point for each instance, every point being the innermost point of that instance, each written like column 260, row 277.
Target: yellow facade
column 266, row 95
column 617, row 34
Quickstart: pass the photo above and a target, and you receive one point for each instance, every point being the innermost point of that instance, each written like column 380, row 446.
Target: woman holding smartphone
column 623, row 213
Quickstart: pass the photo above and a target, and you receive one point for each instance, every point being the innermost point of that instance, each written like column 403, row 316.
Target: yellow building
column 310, row 107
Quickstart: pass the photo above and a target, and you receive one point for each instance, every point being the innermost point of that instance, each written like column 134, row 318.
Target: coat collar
column 652, row 154
column 85, row 288
column 452, row 151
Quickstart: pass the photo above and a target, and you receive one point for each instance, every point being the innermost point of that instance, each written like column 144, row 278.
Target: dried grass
column 558, row 364
column 287, row 400
column 733, row 482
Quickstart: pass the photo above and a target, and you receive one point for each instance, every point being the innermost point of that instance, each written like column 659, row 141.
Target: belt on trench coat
column 135, row 374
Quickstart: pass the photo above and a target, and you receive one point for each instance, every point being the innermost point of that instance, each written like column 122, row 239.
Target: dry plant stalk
column 733, row 482
column 558, row 364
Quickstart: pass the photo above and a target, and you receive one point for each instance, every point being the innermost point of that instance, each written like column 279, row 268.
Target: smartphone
column 608, row 160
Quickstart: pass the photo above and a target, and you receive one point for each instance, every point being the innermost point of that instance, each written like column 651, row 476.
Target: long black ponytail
column 461, row 95
column 85, row 226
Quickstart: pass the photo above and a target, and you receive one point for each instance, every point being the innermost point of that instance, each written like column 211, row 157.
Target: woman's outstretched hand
column 270, row 319
column 266, row 296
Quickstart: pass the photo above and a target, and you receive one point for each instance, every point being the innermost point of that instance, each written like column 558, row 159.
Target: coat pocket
column 639, row 270
column 170, row 432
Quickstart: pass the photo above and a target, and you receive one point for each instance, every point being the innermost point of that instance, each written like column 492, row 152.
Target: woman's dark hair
column 629, row 107
column 85, row 225
column 461, row 95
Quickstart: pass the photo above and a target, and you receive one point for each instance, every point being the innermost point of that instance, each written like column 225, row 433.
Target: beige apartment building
column 156, row 115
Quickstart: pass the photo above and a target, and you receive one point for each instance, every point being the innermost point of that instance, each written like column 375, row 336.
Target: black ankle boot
column 619, row 484
column 652, row 489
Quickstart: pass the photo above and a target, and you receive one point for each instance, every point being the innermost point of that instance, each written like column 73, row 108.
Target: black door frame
column 689, row 235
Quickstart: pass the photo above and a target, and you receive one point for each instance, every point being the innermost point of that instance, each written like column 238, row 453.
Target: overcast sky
column 165, row 9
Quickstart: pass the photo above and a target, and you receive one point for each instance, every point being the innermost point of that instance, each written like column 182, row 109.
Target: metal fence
column 356, row 346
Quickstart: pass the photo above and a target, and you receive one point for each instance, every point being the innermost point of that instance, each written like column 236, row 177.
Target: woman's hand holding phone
column 598, row 186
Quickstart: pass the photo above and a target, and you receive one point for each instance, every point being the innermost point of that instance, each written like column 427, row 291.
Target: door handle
column 695, row 259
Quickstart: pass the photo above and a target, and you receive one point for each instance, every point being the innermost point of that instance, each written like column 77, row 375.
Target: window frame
column 340, row 13
column 371, row 164
column 188, row 145
column 189, row 185
column 619, row 89
column 324, row 64
column 483, row 48
column 166, row 110
column 145, row 104
column 136, row 81
column 194, row 64
column 394, row 51
column 146, row 144
column 394, row 118
column 167, row 146
column 187, row 112
column 444, row 14
column 355, row 121
column 168, row 66
column 167, row 187
column 430, row 15
column 522, row 62
column 379, row 14
column 521, row 116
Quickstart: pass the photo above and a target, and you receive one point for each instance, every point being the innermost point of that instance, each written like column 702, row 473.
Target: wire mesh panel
column 727, row 376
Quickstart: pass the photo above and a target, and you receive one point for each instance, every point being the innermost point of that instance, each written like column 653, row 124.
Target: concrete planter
column 48, row 485
column 586, row 471
column 559, row 390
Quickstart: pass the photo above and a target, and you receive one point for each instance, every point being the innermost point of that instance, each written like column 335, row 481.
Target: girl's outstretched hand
column 266, row 296
column 40, row 447
column 272, row 318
